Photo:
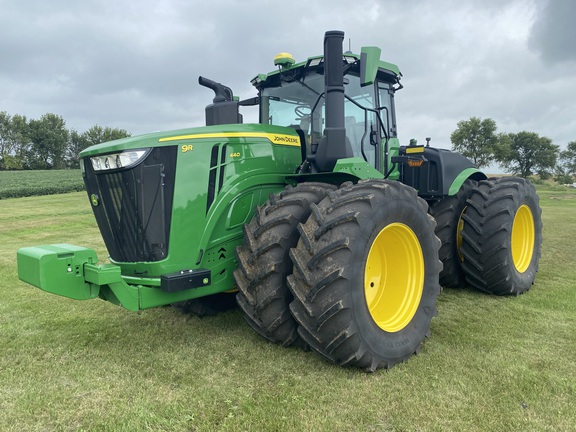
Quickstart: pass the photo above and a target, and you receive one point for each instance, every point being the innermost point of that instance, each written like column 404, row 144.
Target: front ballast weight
column 73, row 272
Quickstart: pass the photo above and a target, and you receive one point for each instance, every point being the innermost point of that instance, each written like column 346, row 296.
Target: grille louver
column 135, row 206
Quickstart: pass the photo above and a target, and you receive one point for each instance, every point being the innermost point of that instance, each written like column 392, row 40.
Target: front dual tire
column 362, row 272
column 365, row 277
column 264, row 264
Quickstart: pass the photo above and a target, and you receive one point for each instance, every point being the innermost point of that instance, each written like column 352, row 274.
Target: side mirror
column 369, row 58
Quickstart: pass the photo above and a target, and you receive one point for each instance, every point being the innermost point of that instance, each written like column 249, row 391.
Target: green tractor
column 329, row 233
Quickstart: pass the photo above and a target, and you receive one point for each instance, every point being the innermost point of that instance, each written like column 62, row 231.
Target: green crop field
column 491, row 364
column 14, row 184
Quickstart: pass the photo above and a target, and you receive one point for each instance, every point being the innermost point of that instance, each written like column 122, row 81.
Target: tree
column 568, row 159
column 14, row 141
column 20, row 140
column 526, row 153
column 562, row 176
column 76, row 143
column 95, row 135
column 49, row 138
column 476, row 139
column 4, row 140
column 46, row 143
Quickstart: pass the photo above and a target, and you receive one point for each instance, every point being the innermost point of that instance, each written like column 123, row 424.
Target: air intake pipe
column 224, row 109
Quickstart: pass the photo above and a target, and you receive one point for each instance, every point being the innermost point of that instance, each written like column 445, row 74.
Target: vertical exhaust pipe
column 334, row 145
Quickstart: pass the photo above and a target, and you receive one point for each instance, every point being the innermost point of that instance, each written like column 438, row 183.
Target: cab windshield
column 300, row 104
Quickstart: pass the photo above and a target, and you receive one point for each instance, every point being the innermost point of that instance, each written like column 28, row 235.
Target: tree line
column 46, row 143
column 523, row 153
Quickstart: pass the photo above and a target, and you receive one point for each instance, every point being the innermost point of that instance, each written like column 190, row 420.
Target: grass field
column 492, row 363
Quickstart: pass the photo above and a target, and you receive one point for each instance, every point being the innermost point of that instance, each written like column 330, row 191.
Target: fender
column 434, row 172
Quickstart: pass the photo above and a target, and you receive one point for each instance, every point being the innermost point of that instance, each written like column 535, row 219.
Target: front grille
column 135, row 206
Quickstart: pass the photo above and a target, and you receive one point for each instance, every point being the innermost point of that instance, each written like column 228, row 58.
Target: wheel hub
column 522, row 241
column 394, row 277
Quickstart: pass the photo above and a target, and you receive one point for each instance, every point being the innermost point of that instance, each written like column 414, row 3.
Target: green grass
column 15, row 184
column 492, row 363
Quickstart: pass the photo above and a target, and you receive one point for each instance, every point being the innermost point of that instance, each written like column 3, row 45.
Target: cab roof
column 286, row 64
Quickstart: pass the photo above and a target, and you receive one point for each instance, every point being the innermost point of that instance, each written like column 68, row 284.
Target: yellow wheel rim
column 459, row 229
column 522, row 242
column 394, row 277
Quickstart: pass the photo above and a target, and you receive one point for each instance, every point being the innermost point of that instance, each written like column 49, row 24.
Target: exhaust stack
column 334, row 145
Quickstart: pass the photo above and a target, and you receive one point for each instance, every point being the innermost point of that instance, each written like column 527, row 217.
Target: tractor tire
column 365, row 277
column 502, row 236
column 264, row 263
column 207, row 306
column 448, row 214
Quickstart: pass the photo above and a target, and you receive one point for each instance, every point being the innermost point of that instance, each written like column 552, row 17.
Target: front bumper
column 72, row 271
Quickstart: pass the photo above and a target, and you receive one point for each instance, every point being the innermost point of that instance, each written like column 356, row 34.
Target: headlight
column 125, row 159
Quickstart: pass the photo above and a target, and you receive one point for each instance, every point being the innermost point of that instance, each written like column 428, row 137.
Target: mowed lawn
column 491, row 364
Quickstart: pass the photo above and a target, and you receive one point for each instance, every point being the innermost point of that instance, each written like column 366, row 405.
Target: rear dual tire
column 448, row 213
column 502, row 236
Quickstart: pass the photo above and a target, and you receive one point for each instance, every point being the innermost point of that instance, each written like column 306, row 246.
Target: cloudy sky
column 135, row 64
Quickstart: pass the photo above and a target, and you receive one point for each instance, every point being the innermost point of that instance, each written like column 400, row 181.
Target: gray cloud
column 135, row 65
column 553, row 33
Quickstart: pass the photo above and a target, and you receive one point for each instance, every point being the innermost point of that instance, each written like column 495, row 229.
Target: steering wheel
column 303, row 111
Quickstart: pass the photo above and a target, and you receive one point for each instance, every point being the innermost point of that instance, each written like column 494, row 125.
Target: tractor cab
column 294, row 96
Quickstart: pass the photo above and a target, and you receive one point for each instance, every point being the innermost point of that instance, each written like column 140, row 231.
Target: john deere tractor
column 334, row 236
